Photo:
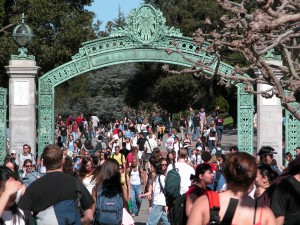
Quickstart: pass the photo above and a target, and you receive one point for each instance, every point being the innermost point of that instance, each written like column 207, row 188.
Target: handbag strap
column 149, row 145
column 228, row 216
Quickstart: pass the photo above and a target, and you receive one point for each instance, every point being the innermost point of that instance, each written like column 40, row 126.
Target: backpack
column 98, row 146
column 214, row 209
column 172, row 186
column 212, row 132
column 177, row 213
column 109, row 206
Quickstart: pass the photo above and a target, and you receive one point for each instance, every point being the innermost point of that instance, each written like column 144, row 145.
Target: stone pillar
column 269, row 117
column 22, row 104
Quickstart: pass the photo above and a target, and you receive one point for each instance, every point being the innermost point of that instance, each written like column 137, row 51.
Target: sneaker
column 137, row 214
column 133, row 215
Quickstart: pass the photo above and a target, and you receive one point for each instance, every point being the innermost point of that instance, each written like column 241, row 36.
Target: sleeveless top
column 261, row 212
column 135, row 177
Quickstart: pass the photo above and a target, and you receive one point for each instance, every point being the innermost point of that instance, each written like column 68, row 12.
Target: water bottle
column 130, row 205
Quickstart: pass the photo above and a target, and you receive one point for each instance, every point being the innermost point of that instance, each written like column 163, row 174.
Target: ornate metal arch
column 292, row 132
column 144, row 39
column 3, row 122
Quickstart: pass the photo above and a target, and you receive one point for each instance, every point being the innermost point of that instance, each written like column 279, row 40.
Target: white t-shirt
column 7, row 217
column 212, row 138
column 196, row 159
column 150, row 145
column 213, row 152
column 158, row 195
column 185, row 172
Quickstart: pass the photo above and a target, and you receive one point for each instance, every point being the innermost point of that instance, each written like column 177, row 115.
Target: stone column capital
column 22, row 69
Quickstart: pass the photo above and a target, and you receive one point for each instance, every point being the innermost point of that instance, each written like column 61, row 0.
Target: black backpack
column 177, row 213
column 98, row 146
column 212, row 132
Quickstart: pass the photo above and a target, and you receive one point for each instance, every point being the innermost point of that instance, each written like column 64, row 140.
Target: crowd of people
column 75, row 181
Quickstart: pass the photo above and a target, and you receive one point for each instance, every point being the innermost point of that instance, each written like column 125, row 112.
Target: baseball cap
column 199, row 148
column 266, row 150
column 13, row 152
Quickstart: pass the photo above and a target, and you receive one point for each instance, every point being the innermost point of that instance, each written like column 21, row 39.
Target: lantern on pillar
column 22, row 34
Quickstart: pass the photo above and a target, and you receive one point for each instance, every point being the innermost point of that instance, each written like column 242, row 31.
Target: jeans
column 95, row 129
column 157, row 213
column 64, row 140
column 189, row 151
column 182, row 130
column 136, row 190
column 90, row 135
column 219, row 132
column 196, row 133
column 75, row 135
column 211, row 145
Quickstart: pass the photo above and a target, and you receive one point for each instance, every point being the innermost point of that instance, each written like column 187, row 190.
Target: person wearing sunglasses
column 28, row 174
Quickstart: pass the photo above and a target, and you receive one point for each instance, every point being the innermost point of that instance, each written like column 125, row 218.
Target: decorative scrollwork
column 144, row 39
column 145, row 26
column 3, row 109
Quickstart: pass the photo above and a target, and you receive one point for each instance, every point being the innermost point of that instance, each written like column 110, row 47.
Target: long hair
column 5, row 175
column 68, row 166
column 109, row 174
column 16, row 167
column 83, row 170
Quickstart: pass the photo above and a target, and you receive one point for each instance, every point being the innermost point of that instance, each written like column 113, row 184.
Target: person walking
column 50, row 202
column 240, row 172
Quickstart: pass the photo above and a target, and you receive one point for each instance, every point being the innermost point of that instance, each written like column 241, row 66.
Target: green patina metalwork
column 144, row 39
column 292, row 131
column 22, row 34
column 3, row 109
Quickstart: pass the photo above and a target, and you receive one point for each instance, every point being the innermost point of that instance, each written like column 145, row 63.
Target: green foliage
column 222, row 102
column 189, row 15
column 120, row 21
column 174, row 93
column 72, row 97
column 59, row 28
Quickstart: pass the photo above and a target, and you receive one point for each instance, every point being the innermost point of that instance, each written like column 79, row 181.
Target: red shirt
column 129, row 159
column 79, row 119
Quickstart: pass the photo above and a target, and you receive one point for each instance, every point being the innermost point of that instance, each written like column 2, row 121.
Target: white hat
column 13, row 151
column 199, row 148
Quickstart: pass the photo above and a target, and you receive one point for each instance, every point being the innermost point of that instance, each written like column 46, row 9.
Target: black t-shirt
column 285, row 200
column 125, row 152
column 196, row 121
column 141, row 143
column 53, row 188
column 131, row 128
column 219, row 122
column 182, row 122
column 63, row 131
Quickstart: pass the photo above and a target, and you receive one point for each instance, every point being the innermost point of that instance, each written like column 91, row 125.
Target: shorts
column 146, row 156
column 140, row 153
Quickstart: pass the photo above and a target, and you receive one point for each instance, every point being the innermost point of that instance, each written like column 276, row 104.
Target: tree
column 254, row 30
column 188, row 15
column 59, row 28
column 179, row 100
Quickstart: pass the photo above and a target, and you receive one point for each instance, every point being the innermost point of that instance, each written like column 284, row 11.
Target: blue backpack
column 109, row 206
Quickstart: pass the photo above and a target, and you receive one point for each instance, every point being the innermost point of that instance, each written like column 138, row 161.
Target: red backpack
column 214, row 209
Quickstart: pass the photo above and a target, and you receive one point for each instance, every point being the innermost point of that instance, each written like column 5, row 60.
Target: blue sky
column 107, row 10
